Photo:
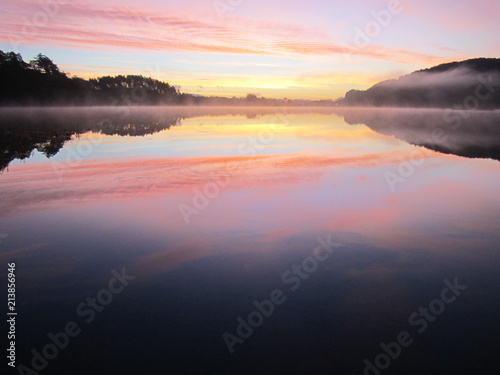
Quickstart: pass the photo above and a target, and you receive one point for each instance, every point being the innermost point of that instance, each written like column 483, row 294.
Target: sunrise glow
column 294, row 49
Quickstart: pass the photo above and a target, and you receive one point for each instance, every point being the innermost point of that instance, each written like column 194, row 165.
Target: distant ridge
column 481, row 64
column 469, row 84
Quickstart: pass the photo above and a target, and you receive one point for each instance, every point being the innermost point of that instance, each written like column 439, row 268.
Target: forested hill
column 40, row 82
column 469, row 84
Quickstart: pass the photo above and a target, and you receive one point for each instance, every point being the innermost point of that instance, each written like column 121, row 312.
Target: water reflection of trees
column 472, row 134
column 22, row 131
column 20, row 144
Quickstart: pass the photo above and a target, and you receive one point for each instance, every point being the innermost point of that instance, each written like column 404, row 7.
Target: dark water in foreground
column 330, row 233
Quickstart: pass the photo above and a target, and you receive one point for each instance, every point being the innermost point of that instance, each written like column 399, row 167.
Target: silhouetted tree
column 251, row 98
column 45, row 65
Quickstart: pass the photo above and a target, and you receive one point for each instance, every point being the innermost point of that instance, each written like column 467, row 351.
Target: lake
column 216, row 240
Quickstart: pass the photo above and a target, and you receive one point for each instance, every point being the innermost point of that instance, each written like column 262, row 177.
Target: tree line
column 41, row 82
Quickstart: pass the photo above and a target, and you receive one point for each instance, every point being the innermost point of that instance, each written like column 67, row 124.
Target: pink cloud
column 92, row 25
column 460, row 16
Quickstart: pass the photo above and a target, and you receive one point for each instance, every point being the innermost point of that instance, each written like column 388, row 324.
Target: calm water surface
column 212, row 209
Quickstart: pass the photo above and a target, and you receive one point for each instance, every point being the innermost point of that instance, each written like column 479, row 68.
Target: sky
column 298, row 49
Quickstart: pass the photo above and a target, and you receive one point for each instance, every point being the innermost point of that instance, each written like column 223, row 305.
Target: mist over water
column 473, row 134
column 210, row 207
